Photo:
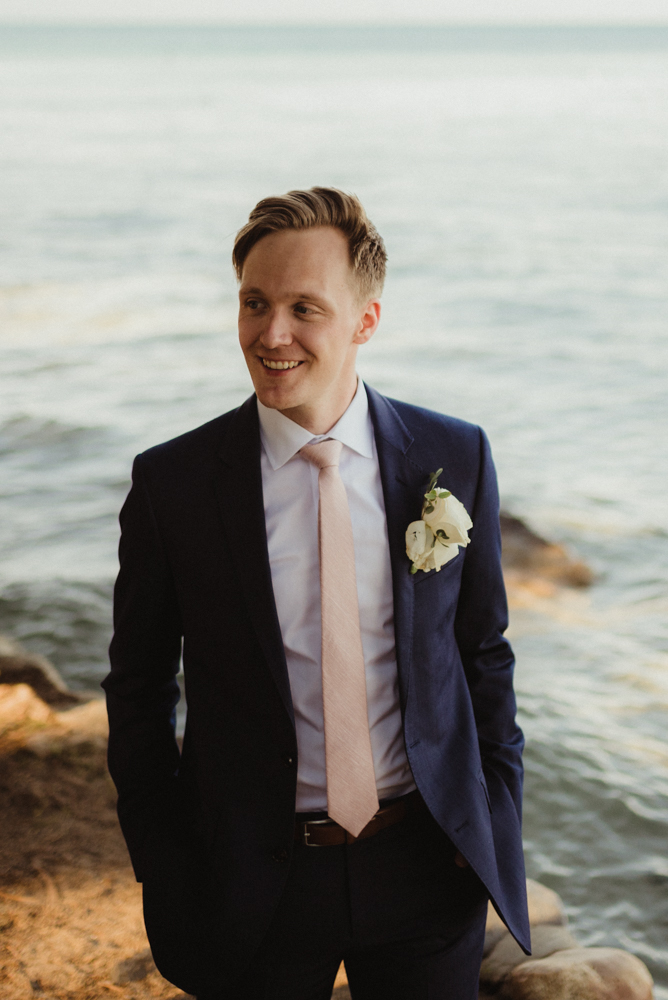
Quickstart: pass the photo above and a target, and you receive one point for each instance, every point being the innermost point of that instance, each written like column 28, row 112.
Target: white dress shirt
column 290, row 486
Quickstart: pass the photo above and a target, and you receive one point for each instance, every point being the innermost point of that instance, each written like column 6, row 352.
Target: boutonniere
column 435, row 540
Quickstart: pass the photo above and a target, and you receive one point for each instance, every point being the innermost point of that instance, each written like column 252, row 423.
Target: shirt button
column 281, row 854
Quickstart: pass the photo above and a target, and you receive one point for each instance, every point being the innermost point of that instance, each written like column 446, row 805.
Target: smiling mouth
column 280, row 365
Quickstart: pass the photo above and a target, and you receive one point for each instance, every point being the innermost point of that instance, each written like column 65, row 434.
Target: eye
column 252, row 303
column 302, row 309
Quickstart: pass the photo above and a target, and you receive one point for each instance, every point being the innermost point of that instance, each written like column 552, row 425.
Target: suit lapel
column 238, row 487
column 403, row 483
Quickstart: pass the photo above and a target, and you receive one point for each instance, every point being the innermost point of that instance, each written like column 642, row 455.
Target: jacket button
column 281, row 854
column 290, row 761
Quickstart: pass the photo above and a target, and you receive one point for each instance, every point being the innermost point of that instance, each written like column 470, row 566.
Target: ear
column 368, row 322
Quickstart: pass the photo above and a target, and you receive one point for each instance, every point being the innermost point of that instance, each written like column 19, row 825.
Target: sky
column 335, row 11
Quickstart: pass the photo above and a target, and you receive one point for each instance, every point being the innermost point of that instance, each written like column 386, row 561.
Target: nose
column 277, row 332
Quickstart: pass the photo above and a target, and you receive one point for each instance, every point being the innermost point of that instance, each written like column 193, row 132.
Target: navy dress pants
column 406, row 920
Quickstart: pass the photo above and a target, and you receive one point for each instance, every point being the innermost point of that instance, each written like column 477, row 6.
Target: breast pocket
column 447, row 572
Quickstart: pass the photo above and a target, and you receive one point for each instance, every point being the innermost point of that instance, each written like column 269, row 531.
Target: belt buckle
column 314, row 822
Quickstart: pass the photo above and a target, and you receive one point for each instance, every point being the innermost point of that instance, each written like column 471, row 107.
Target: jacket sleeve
column 481, row 620
column 141, row 688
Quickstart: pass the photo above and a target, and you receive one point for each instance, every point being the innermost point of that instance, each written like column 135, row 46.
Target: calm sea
column 520, row 178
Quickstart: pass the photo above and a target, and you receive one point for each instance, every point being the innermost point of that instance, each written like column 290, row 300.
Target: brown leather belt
column 327, row 833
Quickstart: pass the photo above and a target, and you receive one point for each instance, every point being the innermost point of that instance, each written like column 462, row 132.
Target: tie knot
column 323, row 455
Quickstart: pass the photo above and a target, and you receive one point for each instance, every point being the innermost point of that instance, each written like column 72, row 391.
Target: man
column 349, row 786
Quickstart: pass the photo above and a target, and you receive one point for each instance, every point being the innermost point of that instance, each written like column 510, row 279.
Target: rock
column 19, row 703
column 507, row 954
column 495, row 929
column 86, row 724
column 91, row 718
column 580, row 974
column 18, row 666
column 525, row 555
column 130, row 970
column 545, row 907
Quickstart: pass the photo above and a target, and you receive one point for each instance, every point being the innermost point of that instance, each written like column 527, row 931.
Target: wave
column 67, row 621
column 25, row 433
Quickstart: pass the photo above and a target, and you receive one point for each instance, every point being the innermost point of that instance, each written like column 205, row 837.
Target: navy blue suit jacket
column 210, row 829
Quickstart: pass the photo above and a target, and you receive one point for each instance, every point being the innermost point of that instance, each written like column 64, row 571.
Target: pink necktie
column 352, row 800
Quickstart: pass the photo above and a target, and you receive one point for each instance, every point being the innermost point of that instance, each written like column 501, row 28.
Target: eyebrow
column 309, row 296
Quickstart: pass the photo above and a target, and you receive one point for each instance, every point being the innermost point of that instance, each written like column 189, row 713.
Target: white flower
column 435, row 540
column 442, row 554
column 416, row 540
column 448, row 515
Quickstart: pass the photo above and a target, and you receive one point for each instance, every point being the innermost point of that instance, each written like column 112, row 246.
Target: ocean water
column 520, row 179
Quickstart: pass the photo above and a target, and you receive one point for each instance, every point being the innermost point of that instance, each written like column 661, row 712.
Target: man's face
column 301, row 322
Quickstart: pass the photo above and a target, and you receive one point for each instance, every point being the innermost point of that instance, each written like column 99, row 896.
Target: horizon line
column 335, row 24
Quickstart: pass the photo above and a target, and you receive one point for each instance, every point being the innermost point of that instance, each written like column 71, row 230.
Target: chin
column 276, row 397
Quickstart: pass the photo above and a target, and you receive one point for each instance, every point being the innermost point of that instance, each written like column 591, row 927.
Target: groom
column 349, row 786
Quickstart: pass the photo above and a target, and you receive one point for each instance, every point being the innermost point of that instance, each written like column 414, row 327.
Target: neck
column 320, row 419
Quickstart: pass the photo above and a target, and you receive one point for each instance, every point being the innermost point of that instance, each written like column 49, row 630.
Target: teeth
column 280, row 364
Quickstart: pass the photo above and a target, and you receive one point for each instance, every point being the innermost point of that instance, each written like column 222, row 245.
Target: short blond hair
column 319, row 206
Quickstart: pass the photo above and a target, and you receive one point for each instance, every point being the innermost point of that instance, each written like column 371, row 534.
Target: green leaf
column 433, row 479
column 414, row 569
column 429, row 509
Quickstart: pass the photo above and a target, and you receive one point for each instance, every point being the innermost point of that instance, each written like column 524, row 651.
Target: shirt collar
column 282, row 438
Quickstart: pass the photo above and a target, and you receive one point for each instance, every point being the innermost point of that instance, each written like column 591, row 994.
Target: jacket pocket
column 449, row 569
